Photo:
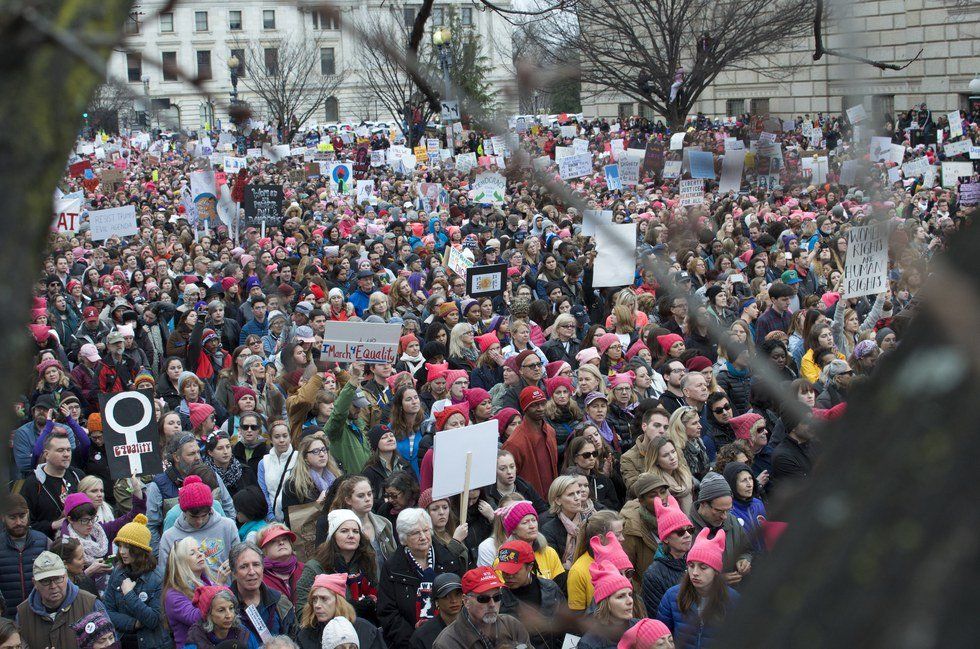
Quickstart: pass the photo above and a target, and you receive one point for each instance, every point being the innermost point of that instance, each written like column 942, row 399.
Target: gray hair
column 280, row 642
column 409, row 520
column 833, row 369
column 175, row 442
column 221, row 594
column 689, row 378
column 239, row 549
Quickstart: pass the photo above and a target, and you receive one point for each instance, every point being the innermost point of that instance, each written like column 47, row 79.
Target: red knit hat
column 643, row 635
column 443, row 415
column 395, row 378
column 404, row 342
column 553, row 384
column 708, row 551
column 194, row 494
column 635, row 349
column 519, row 359
column 475, row 396
column 504, row 416
column 530, row 395
column 486, row 341
column 670, row 518
column 435, row 371
column 606, row 580
column 204, row 595
column 667, row 341
column 227, row 283
column 198, row 413
column 605, row 342
column 454, row 375
column 611, row 552
column 698, row 364
column 554, row 367
column 742, row 425
column 239, row 391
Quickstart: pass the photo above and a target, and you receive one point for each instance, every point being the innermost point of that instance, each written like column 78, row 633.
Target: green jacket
column 348, row 439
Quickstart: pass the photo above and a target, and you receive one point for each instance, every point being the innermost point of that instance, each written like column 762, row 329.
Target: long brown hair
column 364, row 557
column 400, row 424
column 688, row 599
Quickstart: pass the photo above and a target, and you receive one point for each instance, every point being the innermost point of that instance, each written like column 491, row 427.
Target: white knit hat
column 339, row 631
column 338, row 517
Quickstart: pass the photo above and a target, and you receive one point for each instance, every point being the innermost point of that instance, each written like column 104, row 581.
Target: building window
column 328, row 62
column 271, row 61
column 734, row 107
column 323, row 20
column 200, row 21
column 134, row 67
column 759, row 106
column 408, row 16
column 235, row 21
column 331, row 109
column 438, row 16
column 268, row 19
column 240, row 55
column 466, row 16
column 204, row 65
column 883, row 107
column 168, row 63
column 625, row 111
column 132, row 24
column 167, row 22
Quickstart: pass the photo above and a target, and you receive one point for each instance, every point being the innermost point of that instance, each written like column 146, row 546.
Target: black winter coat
column 738, row 389
column 368, row 636
column 17, row 569
column 552, row 599
column 664, row 572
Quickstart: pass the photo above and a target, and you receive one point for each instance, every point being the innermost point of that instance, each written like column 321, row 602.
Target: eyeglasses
column 318, row 451
column 249, row 427
column 486, row 599
column 533, row 366
column 88, row 520
column 721, row 409
column 392, row 495
column 588, row 455
column 684, row 531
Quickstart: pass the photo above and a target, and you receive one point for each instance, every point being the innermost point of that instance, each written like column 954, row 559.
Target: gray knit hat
column 713, row 485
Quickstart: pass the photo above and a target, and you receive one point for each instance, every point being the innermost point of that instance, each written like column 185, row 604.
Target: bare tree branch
column 819, row 50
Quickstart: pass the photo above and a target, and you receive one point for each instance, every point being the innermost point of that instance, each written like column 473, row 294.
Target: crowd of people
column 643, row 428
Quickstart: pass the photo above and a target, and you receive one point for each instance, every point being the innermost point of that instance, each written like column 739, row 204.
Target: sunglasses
column 721, row 409
column 684, row 531
column 588, row 455
column 248, row 426
column 486, row 599
column 533, row 366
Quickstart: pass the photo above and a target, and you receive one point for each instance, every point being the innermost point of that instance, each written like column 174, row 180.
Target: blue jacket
column 751, row 516
column 253, row 326
column 17, row 568
column 360, row 301
column 142, row 604
column 689, row 631
column 24, row 439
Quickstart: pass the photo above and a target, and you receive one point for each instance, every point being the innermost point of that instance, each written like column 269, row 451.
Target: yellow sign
column 421, row 154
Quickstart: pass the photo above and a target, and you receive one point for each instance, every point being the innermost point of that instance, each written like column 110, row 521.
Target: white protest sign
column 368, row 342
column 580, row 145
column 591, row 220
column 562, row 152
column 672, row 168
column 848, row 172
column 879, row 148
column 232, row 165
column 116, row 221
column 731, row 171
column 615, row 262
column 489, row 188
column 629, row 170
column 896, row 153
column 866, row 264
column 616, row 148
column 455, row 261
column 955, row 123
column 734, row 144
column 929, row 176
column 378, row 158
column 465, row 162
column 974, row 153
column 915, row 167
column 569, row 131
column 952, row 149
column 952, row 171
column 692, row 192
column 677, row 141
column 894, row 175
column 571, row 641
column 816, row 168
column 66, row 211
column 807, row 129
column 575, row 166
column 449, row 451
column 365, row 189
column 856, row 114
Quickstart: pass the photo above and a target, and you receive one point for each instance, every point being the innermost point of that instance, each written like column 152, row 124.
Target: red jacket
column 521, row 444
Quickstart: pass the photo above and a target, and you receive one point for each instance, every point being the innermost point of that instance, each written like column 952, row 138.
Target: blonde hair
column 589, row 368
column 625, row 320
column 179, row 575
column 677, row 428
column 88, row 482
column 376, row 298
column 302, row 482
column 558, row 487
column 456, row 344
column 342, row 608
column 682, row 474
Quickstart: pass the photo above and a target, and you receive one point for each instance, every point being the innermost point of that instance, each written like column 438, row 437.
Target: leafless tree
column 289, row 79
column 665, row 53
column 108, row 101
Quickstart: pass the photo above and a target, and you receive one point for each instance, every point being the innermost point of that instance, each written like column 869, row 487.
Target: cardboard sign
column 629, row 170
column 450, row 449
column 116, row 221
column 486, row 280
column 692, row 192
column 465, row 162
column 615, row 262
column 130, row 432
column 866, row 264
column 110, row 179
column 262, row 204
column 489, row 188
column 677, row 141
column 575, row 166
column 672, row 168
column 368, row 342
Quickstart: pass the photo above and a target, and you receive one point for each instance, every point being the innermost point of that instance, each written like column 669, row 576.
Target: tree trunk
column 44, row 90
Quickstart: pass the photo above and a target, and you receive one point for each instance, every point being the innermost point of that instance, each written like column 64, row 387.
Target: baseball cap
column 790, row 277
column 363, row 274
column 48, row 564
column 446, row 583
column 514, row 555
column 90, row 313
column 477, row 580
column 304, row 308
column 114, row 337
column 592, row 396
column 89, row 352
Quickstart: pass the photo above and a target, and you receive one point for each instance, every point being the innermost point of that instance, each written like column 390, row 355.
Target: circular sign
column 340, row 174
column 142, row 420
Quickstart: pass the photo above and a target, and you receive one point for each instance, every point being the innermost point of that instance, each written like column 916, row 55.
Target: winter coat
column 640, row 541
column 689, row 631
column 38, row 629
column 142, row 604
column 348, row 443
column 45, row 496
column 368, row 636
column 198, row 638
column 738, row 387
column 737, row 544
column 17, row 568
column 663, row 573
column 461, row 634
column 181, row 613
column 552, row 600
column 521, row 445
column 161, row 497
column 275, row 608
column 273, row 474
column 595, row 640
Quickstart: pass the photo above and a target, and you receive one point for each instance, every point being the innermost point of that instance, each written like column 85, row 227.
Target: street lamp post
column 233, row 64
column 441, row 38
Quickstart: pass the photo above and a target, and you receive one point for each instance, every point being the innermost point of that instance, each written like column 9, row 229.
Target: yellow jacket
column 808, row 367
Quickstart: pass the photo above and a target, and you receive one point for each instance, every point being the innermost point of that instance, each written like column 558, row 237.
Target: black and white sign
column 450, row 110
column 486, row 280
column 263, row 203
column 131, row 435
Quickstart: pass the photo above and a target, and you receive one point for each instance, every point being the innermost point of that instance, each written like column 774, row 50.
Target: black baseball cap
column 446, row 583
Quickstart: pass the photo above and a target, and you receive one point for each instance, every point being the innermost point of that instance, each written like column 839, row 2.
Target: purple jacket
column 112, row 527
column 82, row 442
column 181, row 613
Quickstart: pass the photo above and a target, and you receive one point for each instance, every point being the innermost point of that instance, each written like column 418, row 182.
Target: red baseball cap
column 530, row 395
column 480, row 580
column 514, row 555
column 90, row 313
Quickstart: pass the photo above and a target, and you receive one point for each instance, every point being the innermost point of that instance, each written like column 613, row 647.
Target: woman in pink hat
column 613, row 617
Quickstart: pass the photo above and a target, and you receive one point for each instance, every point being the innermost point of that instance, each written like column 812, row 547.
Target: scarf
column 734, row 372
column 572, row 530
column 471, row 354
column 104, row 514
column 94, row 546
column 282, row 571
column 229, row 475
column 605, row 431
column 676, row 488
column 414, row 363
column 323, row 480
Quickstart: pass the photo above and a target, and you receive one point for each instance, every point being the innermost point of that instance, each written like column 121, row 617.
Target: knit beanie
column 611, row 552
column 605, row 342
column 425, row 499
column 95, row 422
column 670, row 518
column 667, row 341
column 486, row 341
column 375, row 435
column 443, row 415
column 183, row 377
column 742, row 425
column 204, row 595
column 475, row 396
column 520, row 358
column 635, row 349
column 394, row 379
column 713, row 485
column 455, row 375
column 143, row 376
column 698, row 364
column 239, row 391
column 74, row 500
column 706, row 550
column 338, row 517
column 531, row 395
column 339, row 631
column 194, row 494
column 621, row 378
column 643, row 635
column 405, row 341
column 512, row 515
column 135, row 533
column 504, row 416
column 198, row 413
column 606, row 580
column 91, row 628
column 435, row 371
column 553, row 384
column 585, row 355
column 553, row 368
column 335, row 582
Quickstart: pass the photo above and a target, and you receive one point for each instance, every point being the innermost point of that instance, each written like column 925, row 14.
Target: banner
column 692, row 192
column 489, row 188
column 129, row 429
column 262, row 204
column 866, row 264
column 615, row 262
column 367, row 342
column 486, row 280
column 117, row 221
column 66, row 211
column 575, row 166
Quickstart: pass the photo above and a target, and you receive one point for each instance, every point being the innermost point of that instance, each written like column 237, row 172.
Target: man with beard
column 480, row 623
column 184, row 454
column 19, row 547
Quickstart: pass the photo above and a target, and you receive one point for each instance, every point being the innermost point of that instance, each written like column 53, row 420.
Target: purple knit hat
column 91, row 628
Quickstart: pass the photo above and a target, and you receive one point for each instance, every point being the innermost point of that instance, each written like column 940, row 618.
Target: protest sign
column 815, row 169
column 896, row 153
column 615, row 254
column 569, row 131
column 702, row 164
column 879, row 148
column 489, row 188
column 672, row 168
column 580, row 146
column 952, row 149
column 488, row 147
column 486, row 280
column 613, row 181
column 262, row 204
column 856, row 114
column 116, row 221
column 378, row 158
column 464, row 459
column 454, row 260
column 365, row 189
column 629, row 170
column 969, row 193
column 575, row 166
column 232, row 165
column 952, row 171
column 894, row 175
column 130, row 434
column 562, row 152
column 541, row 162
column 366, row 342
column 340, row 175
column 616, row 148
column 866, row 264
column 691, row 192
column 499, row 146
column 848, row 172
column 677, row 141
column 731, row 171
column 929, row 176
column 421, row 154
column 78, row 169
column 591, row 220
column 975, row 153
column 955, row 123
column 465, row 162
column 734, row 144
column 110, row 178
column 66, row 211
column 915, row 167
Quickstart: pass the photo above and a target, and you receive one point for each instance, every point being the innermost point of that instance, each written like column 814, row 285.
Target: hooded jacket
column 161, row 497
column 45, row 496
column 214, row 538
column 38, row 628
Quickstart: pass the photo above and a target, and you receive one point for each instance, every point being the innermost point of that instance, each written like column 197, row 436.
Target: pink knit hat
column 194, row 494
column 670, row 518
column 475, row 396
column 204, row 595
column 198, row 413
column 75, row 500
column 513, row 514
column 667, row 341
column 553, row 384
column 635, row 349
column 643, row 635
column 454, row 375
column 486, row 341
column 605, row 341
column 586, row 355
column 742, row 425
column 623, row 378
column 553, row 368
column 606, row 580
column 336, row 582
column 708, row 551
column 612, row 552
